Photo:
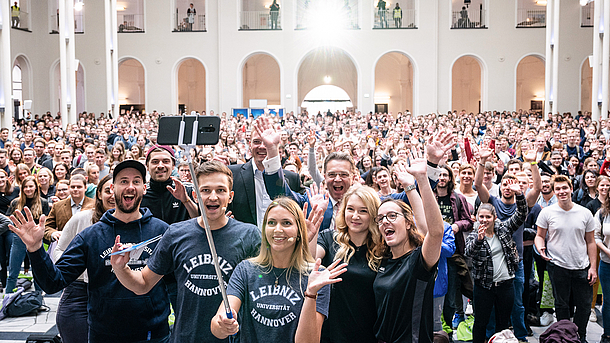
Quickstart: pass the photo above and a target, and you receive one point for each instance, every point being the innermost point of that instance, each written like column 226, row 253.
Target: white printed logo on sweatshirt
column 270, row 306
column 205, row 283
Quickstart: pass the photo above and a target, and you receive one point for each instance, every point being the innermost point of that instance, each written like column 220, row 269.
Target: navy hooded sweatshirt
column 115, row 313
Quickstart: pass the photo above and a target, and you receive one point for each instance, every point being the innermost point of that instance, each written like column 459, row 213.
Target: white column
column 6, row 70
column 112, row 60
column 552, row 60
column 67, row 62
column 605, row 58
column 596, row 60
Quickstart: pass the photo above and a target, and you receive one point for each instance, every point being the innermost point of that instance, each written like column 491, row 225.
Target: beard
column 123, row 208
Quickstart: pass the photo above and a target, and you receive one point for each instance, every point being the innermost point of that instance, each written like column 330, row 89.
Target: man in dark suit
column 63, row 210
column 251, row 199
column 42, row 158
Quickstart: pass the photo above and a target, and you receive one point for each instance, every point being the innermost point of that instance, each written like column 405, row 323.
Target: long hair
column 36, row 206
column 19, row 168
column 99, row 210
column 8, row 187
column 451, row 182
column 301, row 260
column 345, row 252
column 583, row 184
column 415, row 237
column 118, row 145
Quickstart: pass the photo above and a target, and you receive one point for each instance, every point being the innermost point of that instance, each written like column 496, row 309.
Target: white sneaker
column 469, row 311
column 593, row 316
column 546, row 319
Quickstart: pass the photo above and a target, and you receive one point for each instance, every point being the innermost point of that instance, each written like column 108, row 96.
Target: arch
column 55, row 89
column 261, row 78
column 529, row 81
column 392, row 87
column 175, row 84
column 132, row 83
column 331, row 61
column 481, row 94
column 326, row 97
column 191, row 84
column 585, row 86
column 26, row 75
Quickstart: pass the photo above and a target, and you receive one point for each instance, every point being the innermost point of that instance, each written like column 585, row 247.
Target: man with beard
column 505, row 207
column 184, row 250
column 115, row 313
column 456, row 213
column 166, row 197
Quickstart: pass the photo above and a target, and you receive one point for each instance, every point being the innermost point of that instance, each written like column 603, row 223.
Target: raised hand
column 26, row 228
column 311, row 138
column 530, row 156
column 179, row 192
column 403, row 176
column 317, row 197
column 119, row 261
column 481, row 232
column 268, row 134
column 484, row 154
column 438, row 145
column 514, row 186
column 314, row 220
column 320, row 278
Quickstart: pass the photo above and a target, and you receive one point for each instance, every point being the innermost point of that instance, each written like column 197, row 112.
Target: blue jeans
column 604, row 280
column 517, row 315
column 18, row 252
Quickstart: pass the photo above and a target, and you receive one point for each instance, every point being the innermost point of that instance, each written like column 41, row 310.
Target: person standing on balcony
column 191, row 12
column 274, row 13
column 397, row 16
column 383, row 20
column 15, row 12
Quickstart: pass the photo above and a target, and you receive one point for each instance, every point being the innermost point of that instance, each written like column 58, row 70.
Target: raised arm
column 482, row 191
column 532, row 195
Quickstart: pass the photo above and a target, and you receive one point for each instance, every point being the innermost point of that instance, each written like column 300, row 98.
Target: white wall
column 432, row 48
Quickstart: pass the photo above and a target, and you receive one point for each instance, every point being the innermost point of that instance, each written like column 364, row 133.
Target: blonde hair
column 36, row 207
column 301, row 260
column 373, row 238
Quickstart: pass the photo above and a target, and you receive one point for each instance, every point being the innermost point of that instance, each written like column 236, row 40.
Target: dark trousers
column 500, row 296
column 6, row 240
column 528, row 260
column 459, row 283
column 573, row 283
column 72, row 314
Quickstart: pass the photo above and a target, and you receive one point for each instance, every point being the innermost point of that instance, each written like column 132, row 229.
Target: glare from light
column 584, row 2
column 326, row 22
column 121, row 8
column 78, row 6
column 541, row 2
column 327, row 79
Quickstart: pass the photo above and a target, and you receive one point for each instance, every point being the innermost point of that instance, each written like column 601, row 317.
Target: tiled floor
column 16, row 330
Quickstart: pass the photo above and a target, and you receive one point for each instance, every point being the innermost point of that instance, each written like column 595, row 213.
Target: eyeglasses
column 391, row 217
column 333, row 175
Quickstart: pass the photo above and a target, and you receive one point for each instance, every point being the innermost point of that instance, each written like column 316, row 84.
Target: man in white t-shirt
column 571, row 252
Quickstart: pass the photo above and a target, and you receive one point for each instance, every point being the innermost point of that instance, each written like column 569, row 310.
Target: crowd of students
column 333, row 227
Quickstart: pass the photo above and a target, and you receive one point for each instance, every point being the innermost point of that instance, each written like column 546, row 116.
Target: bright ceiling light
column 78, row 5
column 120, row 8
column 585, row 2
column 327, row 79
column 541, row 2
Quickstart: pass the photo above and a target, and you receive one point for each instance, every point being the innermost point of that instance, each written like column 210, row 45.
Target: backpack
column 23, row 282
column 464, row 330
column 25, row 304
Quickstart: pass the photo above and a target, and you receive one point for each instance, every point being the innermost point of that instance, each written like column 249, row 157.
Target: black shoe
column 530, row 333
column 605, row 339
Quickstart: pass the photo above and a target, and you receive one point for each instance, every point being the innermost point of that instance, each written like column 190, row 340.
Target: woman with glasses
column 352, row 313
column 404, row 284
column 495, row 260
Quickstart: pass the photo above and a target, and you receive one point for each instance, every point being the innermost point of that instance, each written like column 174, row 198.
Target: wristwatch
column 410, row 188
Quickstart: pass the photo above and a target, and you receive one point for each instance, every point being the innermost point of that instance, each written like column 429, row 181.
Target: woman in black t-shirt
column 405, row 281
column 352, row 313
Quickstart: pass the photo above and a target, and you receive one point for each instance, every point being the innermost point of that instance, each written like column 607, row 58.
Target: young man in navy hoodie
column 115, row 313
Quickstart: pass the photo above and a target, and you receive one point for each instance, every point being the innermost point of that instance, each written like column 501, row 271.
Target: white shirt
column 76, row 207
column 262, row 197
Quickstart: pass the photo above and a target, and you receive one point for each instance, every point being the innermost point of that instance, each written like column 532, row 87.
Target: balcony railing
column 20, row 22
column 189, row 24
column 586, row 19
column 261, row 20
column 468, row 19
column 130, row 23
column 385, row 19
column 531, row 18
column 78, row 24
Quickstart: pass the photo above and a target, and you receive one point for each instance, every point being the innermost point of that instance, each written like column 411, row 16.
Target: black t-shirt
column 352, row 313
column 404, row 297
column 184, row 250
column 5, row 200
column 444, row 203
